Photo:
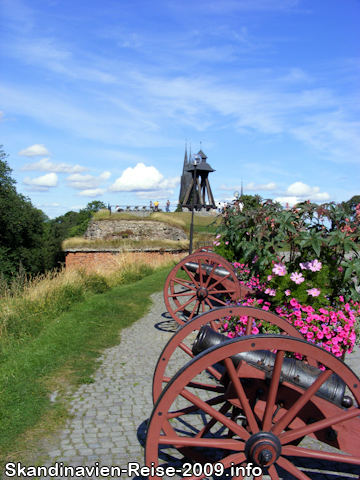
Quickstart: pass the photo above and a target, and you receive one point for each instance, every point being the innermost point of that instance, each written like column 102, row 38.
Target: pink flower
column 314, row 292
column 304, row 266
column 304, row 329
column 226, row 243
column 279, row 269
column 309, row 335
column 294, row 303
column 287, row 292
column 218, row 236
column 315, row 265
column 341, row 298
column 297, row 277
column 255, row 330
column 269, row 277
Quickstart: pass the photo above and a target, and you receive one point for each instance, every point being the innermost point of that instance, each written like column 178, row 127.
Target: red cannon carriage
column 247, row 401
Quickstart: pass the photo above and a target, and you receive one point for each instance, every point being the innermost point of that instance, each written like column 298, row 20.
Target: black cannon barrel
column 220, row 271
column 293, row 371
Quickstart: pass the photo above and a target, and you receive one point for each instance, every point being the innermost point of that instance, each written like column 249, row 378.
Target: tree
column 250, row 201
column 21, row 227
column 95, row 206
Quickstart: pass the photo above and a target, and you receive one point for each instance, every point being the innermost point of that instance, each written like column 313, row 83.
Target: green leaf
column 316, row 245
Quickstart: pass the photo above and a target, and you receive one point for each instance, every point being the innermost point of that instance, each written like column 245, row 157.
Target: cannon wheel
column 186, row 293
column 214, row 318
column 261, row 424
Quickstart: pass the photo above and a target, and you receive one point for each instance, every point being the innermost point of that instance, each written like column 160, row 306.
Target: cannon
column 240, row 401
column 179, row 348
column 199, row 283
column 293, row 371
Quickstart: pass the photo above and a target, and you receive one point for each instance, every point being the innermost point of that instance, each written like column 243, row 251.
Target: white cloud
column 44, row 165
column 299, row 192
column 43, row 183
column 96, row 192
column 261, row 186
column 34, row 151
column 143, row 179
column 301, row 189
column 87, row 182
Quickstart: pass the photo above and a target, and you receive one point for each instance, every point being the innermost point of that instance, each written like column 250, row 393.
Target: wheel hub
column 263, row 449
column 202, row 293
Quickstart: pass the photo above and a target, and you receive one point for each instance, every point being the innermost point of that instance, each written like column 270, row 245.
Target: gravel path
column 109, row 416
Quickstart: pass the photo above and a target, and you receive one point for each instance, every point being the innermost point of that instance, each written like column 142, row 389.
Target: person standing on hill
column 156, row 203
column 168, row 206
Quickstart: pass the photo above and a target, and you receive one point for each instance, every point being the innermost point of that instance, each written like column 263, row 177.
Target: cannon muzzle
column 293, row 371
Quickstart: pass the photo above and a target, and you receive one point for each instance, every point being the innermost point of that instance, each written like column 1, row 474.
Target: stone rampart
column 133, row 229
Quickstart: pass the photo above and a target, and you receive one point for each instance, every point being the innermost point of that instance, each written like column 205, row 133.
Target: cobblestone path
column 109, row 416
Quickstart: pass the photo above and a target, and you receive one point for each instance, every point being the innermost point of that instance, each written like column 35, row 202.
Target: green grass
column 179, row 219
column 64, row 353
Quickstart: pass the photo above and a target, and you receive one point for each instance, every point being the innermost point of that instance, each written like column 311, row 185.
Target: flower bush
column 331, row 327
column 312, row 285
column 271, row 235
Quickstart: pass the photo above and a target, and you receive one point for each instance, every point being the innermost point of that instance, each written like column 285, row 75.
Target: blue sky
column 97, row 99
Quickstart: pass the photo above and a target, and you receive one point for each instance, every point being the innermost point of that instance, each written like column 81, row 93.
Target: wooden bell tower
column 203, row 194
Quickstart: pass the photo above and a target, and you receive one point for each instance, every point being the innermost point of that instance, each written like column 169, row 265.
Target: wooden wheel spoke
column 249, row 326
column 297, row 451
column 273, row 473
column 201, row 272
column 183, row 282
column 224, row 409
column 215, row 373
column 216, row 291
column 185, row 304
column 192, row 276
column 299, row 404
column 237, row 429
column 182, row 294
column 209, row 303
column 192, row 313
column 213, row 285
column 289, row 436
column 207, row 386
column 194, row 408
column 215, row 326
column 274, row 386
column 211, row 274
column 217, row 300
column 289, row 467
column 222, row 443
column 242, row 395
column 203, row 304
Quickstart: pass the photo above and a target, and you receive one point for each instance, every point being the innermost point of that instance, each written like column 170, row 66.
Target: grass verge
column 65, row 353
